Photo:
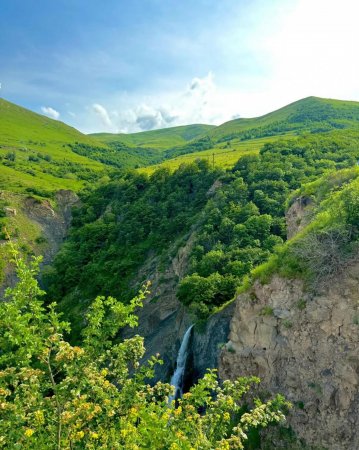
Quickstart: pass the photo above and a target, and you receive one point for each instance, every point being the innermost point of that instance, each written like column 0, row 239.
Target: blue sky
column 130, row 66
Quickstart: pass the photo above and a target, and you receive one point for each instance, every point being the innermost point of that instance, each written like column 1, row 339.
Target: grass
column 323, row 186
column 36, row 160
column 329, row 213
column 28, row 135
column 223, row 156
column 297, row 115
column 156, row 139
column 36, row 157
column 239, row 137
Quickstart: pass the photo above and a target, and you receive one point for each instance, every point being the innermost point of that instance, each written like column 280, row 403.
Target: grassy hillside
column 156, row 139
column 35, row 153
column 220, row 155
column 322, row 249
column 36, row 159
column 311, row 114
column 226, row 143
column 43, row 155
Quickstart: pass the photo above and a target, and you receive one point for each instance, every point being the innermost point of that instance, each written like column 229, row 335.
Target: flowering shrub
column 54, row 395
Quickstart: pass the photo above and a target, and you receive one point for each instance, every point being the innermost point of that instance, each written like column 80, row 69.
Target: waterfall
column 177, row 377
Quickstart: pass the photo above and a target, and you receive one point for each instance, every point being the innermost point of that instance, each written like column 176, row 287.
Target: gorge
column 260, row 254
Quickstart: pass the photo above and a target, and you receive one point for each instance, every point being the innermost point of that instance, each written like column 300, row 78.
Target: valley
column 248, row 230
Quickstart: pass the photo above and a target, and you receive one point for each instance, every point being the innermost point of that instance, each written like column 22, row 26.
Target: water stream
column 178, row 376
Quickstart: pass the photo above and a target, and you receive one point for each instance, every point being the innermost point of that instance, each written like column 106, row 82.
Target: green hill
column 156, row 139
column 44, row 155
column 226, row 143
column 35, row 153
column 311, row 114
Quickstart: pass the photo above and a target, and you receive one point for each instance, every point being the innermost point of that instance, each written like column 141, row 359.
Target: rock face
column 207, row 343
column 53, row 222
column 163, row 321
column 298, row 215
column 305, row 346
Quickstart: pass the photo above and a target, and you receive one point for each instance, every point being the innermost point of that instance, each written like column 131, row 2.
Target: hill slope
column 157, row 139
column 296, row 327
column 238, row 216
column 311, row 114
column 224, row 144
column 36, row 160
column 35, row 153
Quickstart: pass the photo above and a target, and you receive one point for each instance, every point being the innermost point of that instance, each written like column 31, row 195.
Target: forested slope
column 238, row 216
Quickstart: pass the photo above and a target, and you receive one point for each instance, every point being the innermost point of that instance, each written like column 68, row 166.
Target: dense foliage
column 323, row 249
column 237, row 216
column 244, row 221
column 203, row 143
column 118, row 154
column 95, row 396
column 121, row 222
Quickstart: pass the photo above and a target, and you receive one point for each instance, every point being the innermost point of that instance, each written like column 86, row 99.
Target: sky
column 128, row 66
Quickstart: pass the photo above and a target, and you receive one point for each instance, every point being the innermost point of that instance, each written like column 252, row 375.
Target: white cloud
column 198, row 102
column 101, row 111
column 51, row 112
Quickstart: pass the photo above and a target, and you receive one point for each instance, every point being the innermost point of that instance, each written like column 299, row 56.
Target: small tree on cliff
column 57, row 396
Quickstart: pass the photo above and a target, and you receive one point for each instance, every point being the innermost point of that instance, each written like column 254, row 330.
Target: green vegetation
column 233, row 206
column 238, row 216
column 35, row 157
column 120, row 224
column 312, row 114
column 324, row 247
column 118, row 155
column 156, row 139
column 243, row 223
column 56, row 396
column 220, row 155
column 43, row 154
column 128, row 217
column 231, row 140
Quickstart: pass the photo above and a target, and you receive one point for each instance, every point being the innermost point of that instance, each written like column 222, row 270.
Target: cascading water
column 177, row 377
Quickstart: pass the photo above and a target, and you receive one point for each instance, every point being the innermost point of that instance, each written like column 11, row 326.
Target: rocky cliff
column 298, row 215
column 163, row 320
column 306, row 346
column 32, row 217
column 54, row 222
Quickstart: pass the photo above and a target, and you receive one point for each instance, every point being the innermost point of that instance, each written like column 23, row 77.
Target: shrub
column 323, row 252
column 54, row 395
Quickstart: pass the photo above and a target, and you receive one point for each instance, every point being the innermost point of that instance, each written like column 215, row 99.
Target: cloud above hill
column 198, row 102
column 102, row 113
column 51, row 112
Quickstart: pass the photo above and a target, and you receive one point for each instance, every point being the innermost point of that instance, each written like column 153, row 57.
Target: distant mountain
column 311, row 114
column 157, row 139
column 40, row 155
column 223, row 145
